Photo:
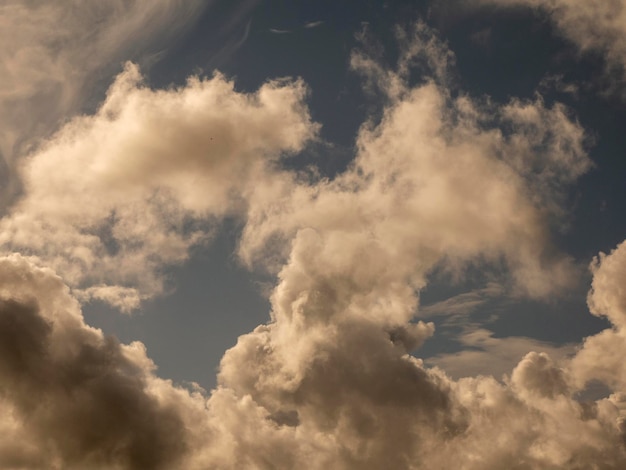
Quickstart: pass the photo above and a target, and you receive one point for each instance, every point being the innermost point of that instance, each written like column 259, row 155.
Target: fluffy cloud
column 73, row 398
column 143, row 179
column 593, row 25
column 599, row 358
column 360, row 403
column 441, row 181
column 46, row 69
column 434, row 167
column 435, row 182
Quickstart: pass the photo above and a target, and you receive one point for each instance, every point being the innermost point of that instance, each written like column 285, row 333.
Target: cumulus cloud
column 72, row 397
column 432, row 168
column 593, row 25
column 45, row 68
column 143, row 179
column 599, row 358
column 484, row 354
column 440, row 181
column 333, row 368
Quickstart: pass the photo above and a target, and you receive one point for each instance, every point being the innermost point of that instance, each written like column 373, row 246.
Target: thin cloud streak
column 313, row 24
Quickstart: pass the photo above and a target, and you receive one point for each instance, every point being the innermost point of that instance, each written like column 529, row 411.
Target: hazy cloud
column 462, row 304
column 484, row 354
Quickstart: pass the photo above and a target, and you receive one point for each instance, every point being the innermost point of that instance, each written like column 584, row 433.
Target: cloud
column 484, row 354
column 441, row 180
column 595, row 25
column 332, row 369
column 147, row 176
column 598, row 359
column 462, row 304
column 313, row 24
column 45, row 69
column 58, row 373
column 435, row 167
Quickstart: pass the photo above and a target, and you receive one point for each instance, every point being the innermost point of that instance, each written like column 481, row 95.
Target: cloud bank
column 441, row 180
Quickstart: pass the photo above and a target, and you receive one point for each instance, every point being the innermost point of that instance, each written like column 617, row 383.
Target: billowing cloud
column 599, row 357
column 72, row 397
column 440, row 181
column 434, row 167
column 434, row 182
column 45, row 68
column 144, row 177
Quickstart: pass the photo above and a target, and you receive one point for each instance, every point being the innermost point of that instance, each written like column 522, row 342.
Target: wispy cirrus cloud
column 484, row 354
column 313, row 24
column 280, row 31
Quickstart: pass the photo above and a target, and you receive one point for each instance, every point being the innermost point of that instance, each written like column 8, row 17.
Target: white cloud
column 433, row 168
column 45, row 68
column 462, row 304
column 432, row 183
column 600, row 357
column 328, row 383
column 361, row 402
column 145, row 177
column 313, row 24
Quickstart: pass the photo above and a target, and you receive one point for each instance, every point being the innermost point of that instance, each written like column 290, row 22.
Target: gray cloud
column 83, row 399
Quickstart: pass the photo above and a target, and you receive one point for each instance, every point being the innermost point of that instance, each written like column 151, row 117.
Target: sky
column 261, row 234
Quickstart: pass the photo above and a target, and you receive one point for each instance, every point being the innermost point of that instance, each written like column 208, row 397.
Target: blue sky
column 320, row 220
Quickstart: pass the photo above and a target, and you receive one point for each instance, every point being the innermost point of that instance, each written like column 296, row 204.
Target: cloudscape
column 259, row 234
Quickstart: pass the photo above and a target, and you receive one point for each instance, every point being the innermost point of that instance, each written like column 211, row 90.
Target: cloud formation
column 45, row 68
column 441, row 180
column 144, row 178
column 332, row 369
column 72, row 397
